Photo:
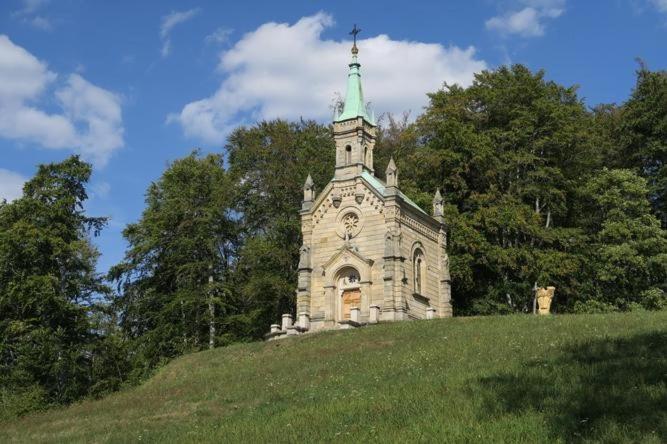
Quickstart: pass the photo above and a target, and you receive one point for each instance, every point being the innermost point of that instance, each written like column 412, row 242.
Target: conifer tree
column 627, row 253
column 48, row 289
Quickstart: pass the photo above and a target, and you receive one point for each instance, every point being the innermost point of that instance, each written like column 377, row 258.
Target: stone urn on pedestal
column 544, row 297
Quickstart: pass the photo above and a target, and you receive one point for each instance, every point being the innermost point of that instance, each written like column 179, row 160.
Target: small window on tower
column 348, row 155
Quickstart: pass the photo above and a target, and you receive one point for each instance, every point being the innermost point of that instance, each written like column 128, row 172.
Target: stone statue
column 346, row 240
column 304, row 257
column 389, row 244
column 445, row 266
column 544, row 297
column 392, row 243
column 445, row 259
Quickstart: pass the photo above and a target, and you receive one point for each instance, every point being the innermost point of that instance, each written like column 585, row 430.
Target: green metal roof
column 380, row 188
column 354, row 98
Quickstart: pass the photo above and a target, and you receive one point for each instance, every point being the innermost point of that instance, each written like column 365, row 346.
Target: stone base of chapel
column 306, row 325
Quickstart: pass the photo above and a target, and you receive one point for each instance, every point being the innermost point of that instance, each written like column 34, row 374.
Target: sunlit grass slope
column 492, row 379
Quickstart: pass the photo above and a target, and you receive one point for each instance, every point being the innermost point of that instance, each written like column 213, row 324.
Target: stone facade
column 369, row 253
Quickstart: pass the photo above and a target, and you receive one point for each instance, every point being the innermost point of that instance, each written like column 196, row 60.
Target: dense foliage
column 643, row 135
column 269, row 164
column 173, row 282
column 49, row 346
column 509, row 151
column 539, row 190
column 212, row 259
column 522, row 163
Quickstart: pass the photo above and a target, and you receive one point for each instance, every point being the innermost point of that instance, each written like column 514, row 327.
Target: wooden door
column 351, row 298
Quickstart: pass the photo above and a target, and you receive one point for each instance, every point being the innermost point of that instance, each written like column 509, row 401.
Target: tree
column 643, row 132
column 269, row 163
column 396, row 138
column 628, row 253
column 509, row 152
column 174, row 290
column 48, row 289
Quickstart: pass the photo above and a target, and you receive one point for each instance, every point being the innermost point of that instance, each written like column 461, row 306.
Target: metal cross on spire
column 354, row 33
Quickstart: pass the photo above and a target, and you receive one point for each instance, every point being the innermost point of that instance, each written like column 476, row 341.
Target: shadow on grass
column 608, row 390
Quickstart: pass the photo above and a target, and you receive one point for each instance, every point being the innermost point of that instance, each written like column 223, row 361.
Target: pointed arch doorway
column 349, row 289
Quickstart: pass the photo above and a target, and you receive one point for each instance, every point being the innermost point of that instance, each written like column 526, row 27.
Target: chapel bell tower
column 354, row 128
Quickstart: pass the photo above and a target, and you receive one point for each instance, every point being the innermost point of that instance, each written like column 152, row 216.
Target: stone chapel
column 369, row 253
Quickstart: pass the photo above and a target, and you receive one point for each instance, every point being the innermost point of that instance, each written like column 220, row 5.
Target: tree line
column 539, row 190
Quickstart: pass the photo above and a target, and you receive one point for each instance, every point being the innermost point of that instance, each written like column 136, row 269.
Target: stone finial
column 392, row 173
column 309, row 190
column 437, row 204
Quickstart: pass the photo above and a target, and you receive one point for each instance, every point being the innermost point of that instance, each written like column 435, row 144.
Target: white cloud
column 42, row 23
column 11, row 185
column 27, row 14
column 30, row 7
column 528, row 21
column 660, row 5
column 168, row 22
column 219, row 36
column 289, row 71
column 100, row 190
column 525, row 22
column 166, row 48
column 174, row 18
column 90, row 122
column 97, row 113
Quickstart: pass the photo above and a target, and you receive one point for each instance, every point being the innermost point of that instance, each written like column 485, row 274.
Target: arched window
column 348, row 155
column 366, row 155
column 350, row 278
column 419, row 270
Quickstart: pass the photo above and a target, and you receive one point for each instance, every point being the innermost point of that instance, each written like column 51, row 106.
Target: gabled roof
column 349, row 249
column 380, row 187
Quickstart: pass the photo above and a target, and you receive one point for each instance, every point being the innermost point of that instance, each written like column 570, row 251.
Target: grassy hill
column 500, row 379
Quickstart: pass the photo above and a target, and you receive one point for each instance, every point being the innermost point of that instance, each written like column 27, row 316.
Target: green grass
column 493, row 379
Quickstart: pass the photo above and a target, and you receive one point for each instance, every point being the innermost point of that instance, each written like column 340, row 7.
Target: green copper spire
column 354, row 99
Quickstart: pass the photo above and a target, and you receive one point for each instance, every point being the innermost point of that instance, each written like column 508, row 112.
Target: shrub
column 593, row 306
column 653, row 299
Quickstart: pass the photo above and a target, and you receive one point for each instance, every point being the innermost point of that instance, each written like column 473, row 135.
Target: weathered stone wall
column 352, row 225
column 327, row 238
column 416, row 234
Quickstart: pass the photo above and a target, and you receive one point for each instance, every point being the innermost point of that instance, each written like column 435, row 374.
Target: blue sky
column 134, row 85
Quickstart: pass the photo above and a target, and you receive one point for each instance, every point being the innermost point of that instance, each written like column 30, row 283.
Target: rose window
column 350, row 223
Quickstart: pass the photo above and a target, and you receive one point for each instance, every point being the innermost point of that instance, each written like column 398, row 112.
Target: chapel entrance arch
column 348, row 286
